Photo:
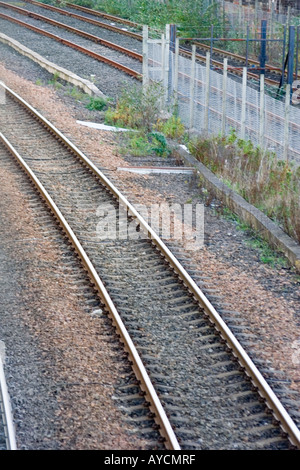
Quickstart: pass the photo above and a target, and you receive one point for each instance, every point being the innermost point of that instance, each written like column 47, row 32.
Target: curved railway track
column 202, row 389
column 183, row 51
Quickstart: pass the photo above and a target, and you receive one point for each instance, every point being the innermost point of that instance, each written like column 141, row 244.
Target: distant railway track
column 201, row 58
column 113, row 28
column 151, row 299
column 79, row 48
column 79, row 32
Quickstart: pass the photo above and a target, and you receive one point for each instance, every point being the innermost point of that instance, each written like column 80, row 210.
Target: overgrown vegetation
column 142, row 112
column 191, row 16
column 270, row 184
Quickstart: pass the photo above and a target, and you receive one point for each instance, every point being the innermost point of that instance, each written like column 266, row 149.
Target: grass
column 267, row 254
column 270, row 184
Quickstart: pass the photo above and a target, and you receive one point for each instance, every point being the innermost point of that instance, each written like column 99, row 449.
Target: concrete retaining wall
column 87, row 86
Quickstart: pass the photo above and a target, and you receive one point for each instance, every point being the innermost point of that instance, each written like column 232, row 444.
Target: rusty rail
column 73, row 45
column 84, row 34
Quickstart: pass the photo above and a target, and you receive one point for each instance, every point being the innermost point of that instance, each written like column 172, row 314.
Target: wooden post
column 145, row 56
column 286, row 122
column 192, row 87
column 207, row 90
column 224, row 96
column 244, row 96
column 262, row 111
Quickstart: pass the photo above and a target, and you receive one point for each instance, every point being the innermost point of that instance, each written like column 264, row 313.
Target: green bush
column 96, row 103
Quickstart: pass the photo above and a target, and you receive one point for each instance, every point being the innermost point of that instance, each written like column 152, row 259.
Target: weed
column 96, row 104
column 259, row 176
column 172, row 128
column 136, row 108
column 54, row 81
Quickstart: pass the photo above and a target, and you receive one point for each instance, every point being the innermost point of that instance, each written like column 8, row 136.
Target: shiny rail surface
column 142, row 376
column 7, row 417
column 224, row 332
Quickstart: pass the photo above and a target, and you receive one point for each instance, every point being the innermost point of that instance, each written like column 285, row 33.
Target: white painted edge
column 103, row 127
column 9, row 423
column 147, row 171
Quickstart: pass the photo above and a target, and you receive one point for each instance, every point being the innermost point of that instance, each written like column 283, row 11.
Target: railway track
column 137, row 36
column 202, row 389
column 116, row 63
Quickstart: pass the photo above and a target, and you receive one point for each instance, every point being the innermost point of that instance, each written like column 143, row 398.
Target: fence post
column 262, row 111
column 176, row 72
column 297, row 53
column 288, row 17
column 255, row 19
column 171, row 63
column 272, row 20
column 263, row 46
column 145, row 56
column 244, row 96
column 290, row 65
column 167, row 59
column 286, row 122
column 192, row 87
column 224, row 96
column 207, row 91
column 163, row 59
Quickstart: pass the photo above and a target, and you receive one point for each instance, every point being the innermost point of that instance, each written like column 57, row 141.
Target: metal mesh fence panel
column 200, row 104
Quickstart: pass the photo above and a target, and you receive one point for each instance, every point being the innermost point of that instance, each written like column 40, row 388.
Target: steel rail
column 88, row 20
column 6, row 411
column 132, row 24
column 117, row 19
column 142, row 376
column 265, row 391
column 73, row 45
column 92, row 37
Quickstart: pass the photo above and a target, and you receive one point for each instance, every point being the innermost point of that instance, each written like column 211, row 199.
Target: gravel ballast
column 259, row 302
